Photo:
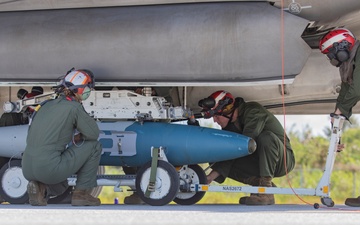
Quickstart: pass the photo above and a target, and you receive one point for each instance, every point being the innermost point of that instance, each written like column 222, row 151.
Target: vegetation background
column 310, row 154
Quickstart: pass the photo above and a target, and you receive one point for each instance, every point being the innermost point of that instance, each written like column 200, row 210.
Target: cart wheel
column 166, row 186
column 327, row 201
column 316, row 205
column 13, row 183
column 193, row 175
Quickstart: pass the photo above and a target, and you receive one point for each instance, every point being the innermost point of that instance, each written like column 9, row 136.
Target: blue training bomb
column 127, row 143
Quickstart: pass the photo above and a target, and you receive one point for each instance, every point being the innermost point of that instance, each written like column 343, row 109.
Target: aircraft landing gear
column 13, row 183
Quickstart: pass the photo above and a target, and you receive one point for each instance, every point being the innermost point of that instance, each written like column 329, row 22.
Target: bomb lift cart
column 322, row 189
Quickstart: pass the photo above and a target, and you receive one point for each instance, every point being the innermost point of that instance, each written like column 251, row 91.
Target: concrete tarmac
column 178, row 214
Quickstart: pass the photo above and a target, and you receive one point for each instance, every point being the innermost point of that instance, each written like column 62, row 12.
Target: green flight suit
column 49, row 158
column 349, row 94
column 268, row 160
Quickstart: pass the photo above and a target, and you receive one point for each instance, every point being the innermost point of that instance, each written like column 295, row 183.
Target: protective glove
column 193, row 122
column 191, row 118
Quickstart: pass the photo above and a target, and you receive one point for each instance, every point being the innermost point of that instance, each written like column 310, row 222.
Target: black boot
column 354, row 202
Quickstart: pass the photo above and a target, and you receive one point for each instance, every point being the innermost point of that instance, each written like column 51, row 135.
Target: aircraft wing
column 180, row 43
column 185, row 49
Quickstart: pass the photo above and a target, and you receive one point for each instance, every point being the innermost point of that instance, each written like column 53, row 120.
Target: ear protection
column 85, row 93
column 207, row 103
column 82, row 90
column 339, row 53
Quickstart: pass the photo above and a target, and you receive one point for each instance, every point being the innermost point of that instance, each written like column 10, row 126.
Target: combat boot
column 84, row 198
column 261, row 199
column 354, row 202
column 253, row 181
column 37, row 193
column 133, row 199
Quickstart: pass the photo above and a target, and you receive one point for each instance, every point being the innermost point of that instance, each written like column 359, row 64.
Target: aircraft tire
column 198, row 176
column 3, row 160
column 166, row 186
column 13, row 187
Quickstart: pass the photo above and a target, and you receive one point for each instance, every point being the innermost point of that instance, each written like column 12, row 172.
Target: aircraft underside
column 185, row 51
column 207, row 42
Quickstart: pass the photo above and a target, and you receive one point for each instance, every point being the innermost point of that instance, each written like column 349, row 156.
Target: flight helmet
column 337, row 44
column 80, row 82
column 218, row 103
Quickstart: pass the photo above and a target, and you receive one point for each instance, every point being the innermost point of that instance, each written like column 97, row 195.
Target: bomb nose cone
column 252, row 146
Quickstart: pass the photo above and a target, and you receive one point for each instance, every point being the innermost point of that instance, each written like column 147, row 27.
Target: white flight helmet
column 80, row 82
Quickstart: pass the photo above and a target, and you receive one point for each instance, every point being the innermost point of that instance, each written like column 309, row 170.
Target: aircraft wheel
column 13, row 183
column 3, row 160
column 166, row 186
column 194, row 174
